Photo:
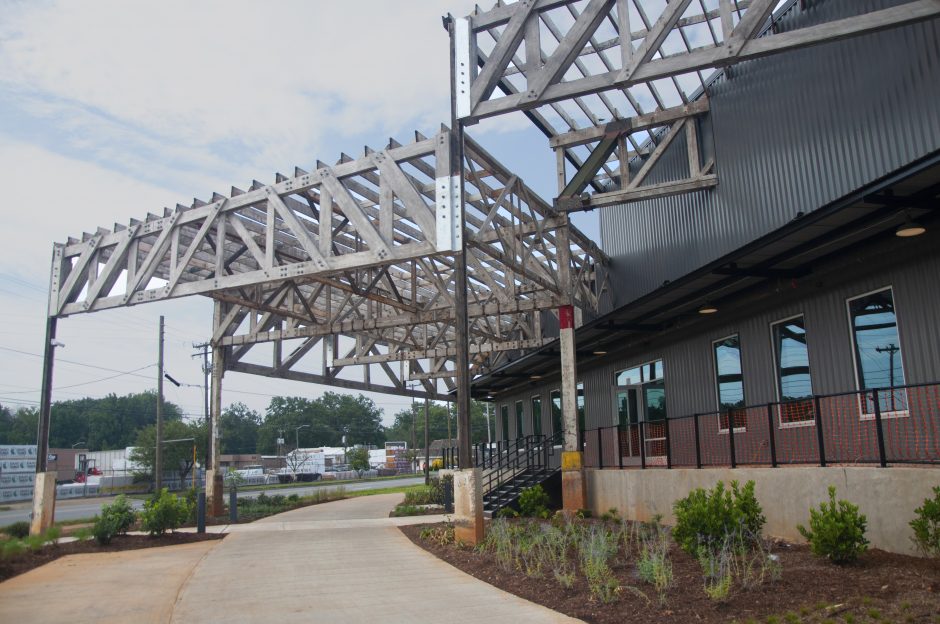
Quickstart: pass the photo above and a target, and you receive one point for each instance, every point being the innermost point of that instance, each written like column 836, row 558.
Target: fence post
column 642, row 445
column 619, row 448
column 668, row 446
column 600, row 448
column 771, row 432
column 698, row 446
column 734, row 461
column 879, row 430
column 820, row 437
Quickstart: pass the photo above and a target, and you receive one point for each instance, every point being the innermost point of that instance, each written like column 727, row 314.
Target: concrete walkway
column 338, row 562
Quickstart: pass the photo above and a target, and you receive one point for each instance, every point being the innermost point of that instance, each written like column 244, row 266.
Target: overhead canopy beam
column 649, row 64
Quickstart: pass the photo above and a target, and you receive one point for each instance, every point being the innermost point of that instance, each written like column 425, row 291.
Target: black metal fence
column 897, row 425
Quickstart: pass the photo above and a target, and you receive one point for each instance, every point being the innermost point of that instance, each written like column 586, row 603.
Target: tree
column 327, row 418
column 358, row 459
column 239, row 429
column 438, row 415
column 177, row 456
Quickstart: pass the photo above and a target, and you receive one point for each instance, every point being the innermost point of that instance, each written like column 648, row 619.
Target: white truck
column 303, row 465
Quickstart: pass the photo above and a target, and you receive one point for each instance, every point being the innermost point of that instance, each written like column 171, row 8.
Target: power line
column 110, row 370
column 85, row 383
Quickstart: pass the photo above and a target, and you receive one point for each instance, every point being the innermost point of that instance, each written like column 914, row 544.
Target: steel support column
column 572, row 458
column 43, row 494
column 214, row 484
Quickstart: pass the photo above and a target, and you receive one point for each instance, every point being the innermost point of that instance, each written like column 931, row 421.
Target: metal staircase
column 510, row 466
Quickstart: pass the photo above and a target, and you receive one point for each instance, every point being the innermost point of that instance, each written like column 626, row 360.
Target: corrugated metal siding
column 790, row 133
column 689, row 368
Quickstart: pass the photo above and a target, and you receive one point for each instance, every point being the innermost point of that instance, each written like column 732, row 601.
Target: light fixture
column 600, row 353
column 535, row 377
column 707, row 308
column 909, row 228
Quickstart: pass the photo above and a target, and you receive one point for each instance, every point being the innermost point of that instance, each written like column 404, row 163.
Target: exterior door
column 629, row 409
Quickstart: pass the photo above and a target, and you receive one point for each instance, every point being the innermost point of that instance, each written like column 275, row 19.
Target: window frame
column 660, row 360
column 714, row 359
column 777, row 389
column 862, row 415
column 504, row 418
column 532, row 400
column 561, row 416
column 520, row 418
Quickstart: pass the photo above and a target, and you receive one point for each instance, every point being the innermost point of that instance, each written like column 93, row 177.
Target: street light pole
column 297, row 436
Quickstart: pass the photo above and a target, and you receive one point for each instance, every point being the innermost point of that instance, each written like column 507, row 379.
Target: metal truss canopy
column 609, row 81
column 355, row 259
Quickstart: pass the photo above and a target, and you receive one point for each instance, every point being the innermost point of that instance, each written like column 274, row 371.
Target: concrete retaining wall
column 887, row 496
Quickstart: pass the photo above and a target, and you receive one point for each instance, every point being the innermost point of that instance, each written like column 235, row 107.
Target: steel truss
column 374, row 289
column 613, row 82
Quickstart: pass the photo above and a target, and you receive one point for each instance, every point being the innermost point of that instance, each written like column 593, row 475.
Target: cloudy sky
column 110, row 110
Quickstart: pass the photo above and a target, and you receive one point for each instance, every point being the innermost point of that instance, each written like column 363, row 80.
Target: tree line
column 117, row 422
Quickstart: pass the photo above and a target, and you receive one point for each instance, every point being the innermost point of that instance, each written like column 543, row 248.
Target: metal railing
column 503, row 460
column 895, row 425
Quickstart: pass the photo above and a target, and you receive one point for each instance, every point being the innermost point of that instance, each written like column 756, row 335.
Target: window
column 519, row 412
column 504, row 417
column 791, row 363
column 555, row 398
column 537, row 415
column 651, row 377
column 730, row 383
column 580, row 404
column 877, row 351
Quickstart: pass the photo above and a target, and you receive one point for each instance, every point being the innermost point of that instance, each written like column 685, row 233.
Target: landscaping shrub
column 653, row 565
column 704, row 519
column 836, row 531
column 19, row 530
column 926, row 526
column 533, row 502
column 35, row 542
column 422, row 495
column 13, row 548
column 105, row 528
column 437, row 464
column 122, row 513
column 82, row 534
column 53, row 534
column 163, row 513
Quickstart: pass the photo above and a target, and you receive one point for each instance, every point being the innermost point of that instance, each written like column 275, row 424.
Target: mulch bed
column 29, row 560
column 879, row 587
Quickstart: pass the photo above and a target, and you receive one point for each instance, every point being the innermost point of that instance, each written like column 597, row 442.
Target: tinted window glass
column 728, row 367
column 793, row 379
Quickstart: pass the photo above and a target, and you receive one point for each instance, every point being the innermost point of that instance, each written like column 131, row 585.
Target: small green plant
column 121, row 514
column 19, row 530
column 35, row 542
column 836, row 531
column 53, row 534
column 533, row 502
column 704, row 519
column 583, row 513
column 719, row 588
column 406, row 510
column 165, row 512
column 13, row 548
column 507, row 512
column 84, row 533
column 926, row 526
column 105, row 528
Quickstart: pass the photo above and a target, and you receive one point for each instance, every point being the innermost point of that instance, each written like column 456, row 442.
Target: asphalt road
column 86, row 508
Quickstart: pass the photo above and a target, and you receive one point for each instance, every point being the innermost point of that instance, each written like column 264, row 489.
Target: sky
column 110, row 110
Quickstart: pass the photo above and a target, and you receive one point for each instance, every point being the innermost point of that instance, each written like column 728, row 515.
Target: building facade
column 824, row 156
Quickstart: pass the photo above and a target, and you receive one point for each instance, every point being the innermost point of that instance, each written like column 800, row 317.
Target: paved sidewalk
column 340, row 562
column 337, row 562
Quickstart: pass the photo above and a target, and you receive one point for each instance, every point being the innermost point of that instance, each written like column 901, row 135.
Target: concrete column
column 214, row 484
column 572, row 460
column 468, row 505
column 43, row 502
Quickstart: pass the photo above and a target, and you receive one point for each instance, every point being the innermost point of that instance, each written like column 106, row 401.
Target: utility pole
column 158, row 463
column 890, row 349
column 427, row 445
column 206, row 371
